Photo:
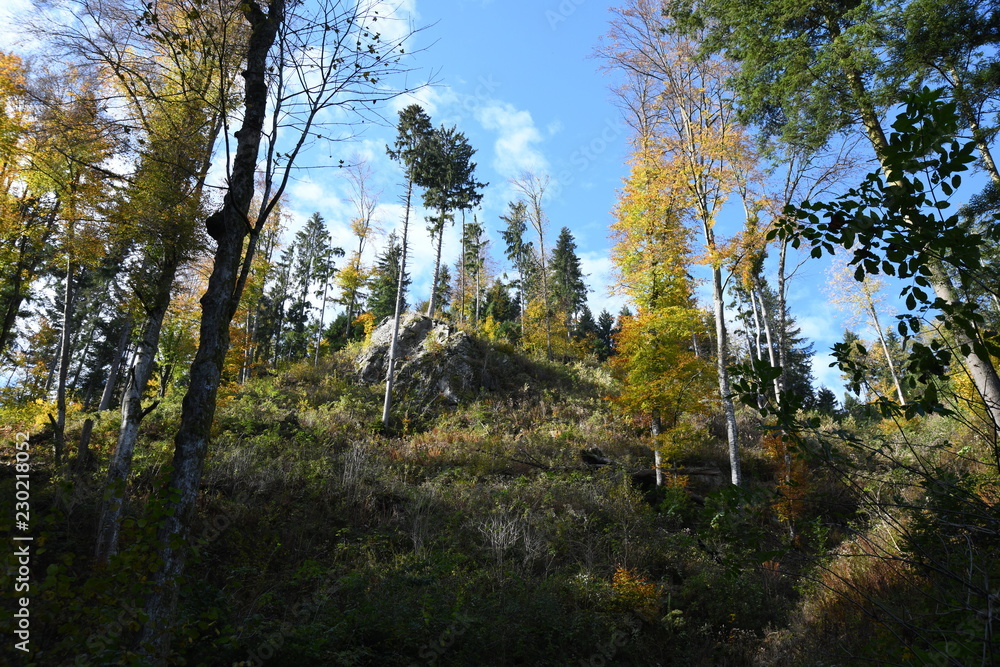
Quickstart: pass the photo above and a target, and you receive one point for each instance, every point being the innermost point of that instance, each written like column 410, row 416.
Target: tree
column 27, row 219
column 447, row 175
column 413, row 131
column 471, row 268
column 569, row 291
column 74, row 139
column 316, row 70
column 532, row 188
column 518, row 250
column 895, row 224
column 807, row 72
column 313, row 268
column 695, row 130
column 352, row 278
column 502, row 313
column 863, row 303
column 169, row 76
column 605, row 327
column 826, row 402
column 952, row 44
column 660, row 373
column 387, row 281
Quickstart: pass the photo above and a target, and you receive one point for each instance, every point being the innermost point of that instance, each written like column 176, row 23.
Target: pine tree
column 518, row 250
column 569, row 291
column 447, row 175
column 605, row 335
column 414, row 131
column 386, row 281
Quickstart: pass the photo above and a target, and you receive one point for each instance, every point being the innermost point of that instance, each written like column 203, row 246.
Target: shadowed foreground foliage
column 474, row 535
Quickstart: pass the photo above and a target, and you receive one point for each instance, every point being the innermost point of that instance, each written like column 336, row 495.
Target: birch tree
column 692, row 122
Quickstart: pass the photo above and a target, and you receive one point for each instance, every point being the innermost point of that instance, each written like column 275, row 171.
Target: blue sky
column 520, row 80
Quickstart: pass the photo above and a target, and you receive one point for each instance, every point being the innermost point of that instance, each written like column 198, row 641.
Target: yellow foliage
column 367, row 320
column 491, row 328
column 635, row 590
column 659, row 371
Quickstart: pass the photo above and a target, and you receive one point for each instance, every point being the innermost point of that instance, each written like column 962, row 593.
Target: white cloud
column 827, row 376
column 515, row 147
column 431, row 98
column 397, row 20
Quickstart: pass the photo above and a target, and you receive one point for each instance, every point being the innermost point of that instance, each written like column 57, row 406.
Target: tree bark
column 219, row 305
column 722, row 354
column 657, row 430
column 765, row 316
column 59, row 423
column 84, row 456
column 120, row 466
column 397, row 314
column 437, row 266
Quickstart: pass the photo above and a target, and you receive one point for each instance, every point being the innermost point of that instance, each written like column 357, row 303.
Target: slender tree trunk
column 322, row 313
column 885, row 349
column 722, row 355
column 437, row 267
column 753, row 350
column 766, row 317
column 219, row 305
column 758, row 334
column 782, row 316
column 59, row 423
column 968, row 114
column 120, row 466
column 25, row 265
column 391, row 365
column 520, row 292
column 657, row 430
column 464, row 263
column 84, row 456
column 81, row 359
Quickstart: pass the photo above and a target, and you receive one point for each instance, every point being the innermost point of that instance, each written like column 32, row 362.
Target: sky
column 520, row 80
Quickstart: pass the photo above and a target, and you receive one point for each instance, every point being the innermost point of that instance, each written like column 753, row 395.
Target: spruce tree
column 386, row 281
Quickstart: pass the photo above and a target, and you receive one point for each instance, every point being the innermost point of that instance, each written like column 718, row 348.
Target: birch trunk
column 120, row 466
column 84, row 455
column 391, row 365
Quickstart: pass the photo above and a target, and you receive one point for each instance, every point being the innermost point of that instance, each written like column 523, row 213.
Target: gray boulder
column 435, row 363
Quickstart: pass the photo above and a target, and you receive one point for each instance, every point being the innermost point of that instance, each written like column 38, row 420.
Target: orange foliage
column 635, row 591
column 793, row 477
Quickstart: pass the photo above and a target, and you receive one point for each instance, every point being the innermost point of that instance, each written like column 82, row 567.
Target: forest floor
column 471, row 535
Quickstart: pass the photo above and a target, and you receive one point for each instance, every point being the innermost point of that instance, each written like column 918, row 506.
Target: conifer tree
column 518, row 249
column 387, row 281
column 447, row 175
column 414, row 131
column 569, row 291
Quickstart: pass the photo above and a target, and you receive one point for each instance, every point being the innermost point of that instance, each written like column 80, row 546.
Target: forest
column 230, row 439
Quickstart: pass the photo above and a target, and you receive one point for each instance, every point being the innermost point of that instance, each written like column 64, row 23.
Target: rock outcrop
column 435, row 363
